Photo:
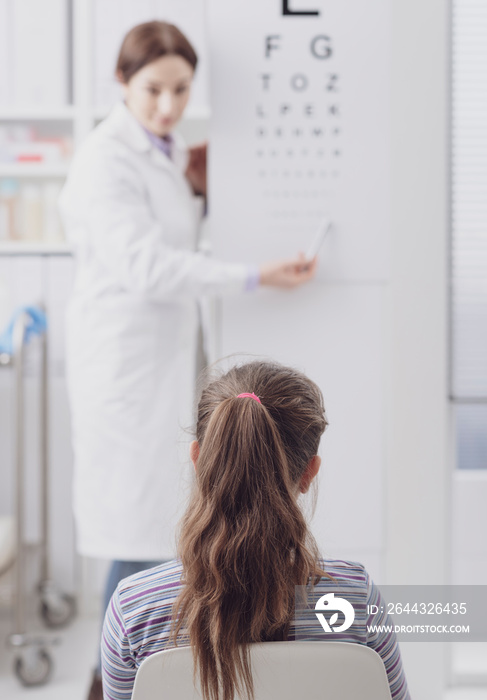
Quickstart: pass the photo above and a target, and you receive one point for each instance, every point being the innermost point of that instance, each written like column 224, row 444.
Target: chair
column 281, row 671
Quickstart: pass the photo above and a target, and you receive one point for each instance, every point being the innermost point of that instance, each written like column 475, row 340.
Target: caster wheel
column 58, row 610
column 34, row 667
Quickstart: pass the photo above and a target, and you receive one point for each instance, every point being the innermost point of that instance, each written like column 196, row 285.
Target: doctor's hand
column 196, row 170
column 288, row 273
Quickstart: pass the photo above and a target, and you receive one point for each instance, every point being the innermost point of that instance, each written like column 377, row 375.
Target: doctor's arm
column 129, row 241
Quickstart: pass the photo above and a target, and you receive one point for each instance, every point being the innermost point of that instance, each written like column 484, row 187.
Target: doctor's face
column 158, row 93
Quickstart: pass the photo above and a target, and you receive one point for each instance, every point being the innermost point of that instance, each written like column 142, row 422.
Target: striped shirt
column 138, row 623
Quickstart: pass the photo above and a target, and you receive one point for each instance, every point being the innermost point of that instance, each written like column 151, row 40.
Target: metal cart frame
column 32, row 660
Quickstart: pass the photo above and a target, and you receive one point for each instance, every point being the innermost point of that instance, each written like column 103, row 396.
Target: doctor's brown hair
column 244, row 542
column 149, row 41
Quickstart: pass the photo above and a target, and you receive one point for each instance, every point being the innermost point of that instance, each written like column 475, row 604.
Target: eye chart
column 299, row 97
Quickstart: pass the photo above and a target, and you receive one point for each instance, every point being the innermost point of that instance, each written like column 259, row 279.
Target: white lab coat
column 131, row 327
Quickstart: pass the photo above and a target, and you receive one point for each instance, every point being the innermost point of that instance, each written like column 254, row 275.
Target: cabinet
column 46, row 115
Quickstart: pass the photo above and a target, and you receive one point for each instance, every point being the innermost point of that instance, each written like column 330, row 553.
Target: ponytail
column 244, row 543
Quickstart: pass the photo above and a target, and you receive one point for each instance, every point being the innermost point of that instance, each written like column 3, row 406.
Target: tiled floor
column 74, row 660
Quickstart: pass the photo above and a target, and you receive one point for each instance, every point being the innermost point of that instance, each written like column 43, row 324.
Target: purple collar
column 163, row 143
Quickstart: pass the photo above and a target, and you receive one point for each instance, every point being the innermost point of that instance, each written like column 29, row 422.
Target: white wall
column 419, row 463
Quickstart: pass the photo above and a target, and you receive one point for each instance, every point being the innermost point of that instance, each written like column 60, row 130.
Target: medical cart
column 32, row 657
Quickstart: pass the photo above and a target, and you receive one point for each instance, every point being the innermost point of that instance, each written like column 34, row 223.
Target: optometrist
column 129, row 211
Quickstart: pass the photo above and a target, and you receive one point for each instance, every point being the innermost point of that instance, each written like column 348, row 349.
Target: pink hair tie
column 251, row 396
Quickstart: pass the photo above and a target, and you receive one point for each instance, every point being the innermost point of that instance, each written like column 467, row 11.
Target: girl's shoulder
column 345, row 572
column 158, row 585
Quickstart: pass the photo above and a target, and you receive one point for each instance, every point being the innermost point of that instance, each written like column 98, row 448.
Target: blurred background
column 398, row 312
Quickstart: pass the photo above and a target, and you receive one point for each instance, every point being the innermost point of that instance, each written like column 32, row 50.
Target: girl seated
column 244, row 544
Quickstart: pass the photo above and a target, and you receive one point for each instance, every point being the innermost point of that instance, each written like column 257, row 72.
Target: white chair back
column 281, row 671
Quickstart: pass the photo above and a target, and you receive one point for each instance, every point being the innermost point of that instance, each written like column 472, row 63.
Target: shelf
column 33, row 169
column 37, row 113
column 34, row 248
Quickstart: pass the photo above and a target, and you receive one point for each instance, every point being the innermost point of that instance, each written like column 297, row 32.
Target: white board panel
column 335, row 334
column 300, row 122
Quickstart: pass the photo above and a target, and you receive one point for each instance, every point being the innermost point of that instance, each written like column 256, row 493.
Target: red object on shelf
column 30, row 158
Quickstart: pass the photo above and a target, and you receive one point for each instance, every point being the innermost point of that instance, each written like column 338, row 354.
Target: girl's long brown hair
column 244, row 542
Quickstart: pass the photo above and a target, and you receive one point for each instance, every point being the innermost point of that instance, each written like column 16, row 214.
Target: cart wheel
column 58, row 610
column 34, row 667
